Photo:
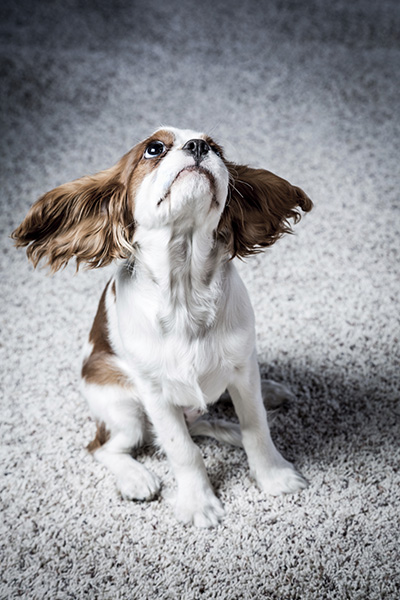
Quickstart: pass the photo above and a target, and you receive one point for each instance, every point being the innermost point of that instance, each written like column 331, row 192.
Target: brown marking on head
column 258, row 210
column 102, row 436
column 214, row 146
column 145, row 166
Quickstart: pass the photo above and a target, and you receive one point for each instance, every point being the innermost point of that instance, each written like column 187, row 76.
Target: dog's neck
column 186, row 266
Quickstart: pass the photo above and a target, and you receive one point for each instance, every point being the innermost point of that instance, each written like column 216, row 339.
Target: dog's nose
column 198, row 149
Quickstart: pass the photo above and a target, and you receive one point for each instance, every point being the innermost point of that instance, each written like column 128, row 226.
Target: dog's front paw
column 138, row 485
column 202, row 509
column 281, row 479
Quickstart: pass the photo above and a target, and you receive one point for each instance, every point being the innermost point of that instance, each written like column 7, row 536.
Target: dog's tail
column 220, row 430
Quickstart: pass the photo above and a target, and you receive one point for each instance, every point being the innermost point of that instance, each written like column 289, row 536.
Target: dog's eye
column 154, row 149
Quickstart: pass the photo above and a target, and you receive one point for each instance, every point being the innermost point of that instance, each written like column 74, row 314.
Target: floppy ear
column 258, row 210
column 89, row 218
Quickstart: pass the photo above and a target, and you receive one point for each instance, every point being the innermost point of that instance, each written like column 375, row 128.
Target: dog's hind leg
column 219, row 429
column 274, row 396
column 121, row 427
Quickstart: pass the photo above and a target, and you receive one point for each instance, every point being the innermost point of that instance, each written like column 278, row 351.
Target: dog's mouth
column 187, row 170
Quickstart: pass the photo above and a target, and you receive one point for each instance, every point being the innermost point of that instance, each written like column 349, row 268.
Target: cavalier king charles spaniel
column 175, row 327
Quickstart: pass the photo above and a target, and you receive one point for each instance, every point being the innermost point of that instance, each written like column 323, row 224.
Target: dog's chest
column 180, row 341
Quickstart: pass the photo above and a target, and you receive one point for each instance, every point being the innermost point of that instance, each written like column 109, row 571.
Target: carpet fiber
column 309, row 90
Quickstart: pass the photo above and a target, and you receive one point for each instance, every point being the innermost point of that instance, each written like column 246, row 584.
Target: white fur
column 183, row 339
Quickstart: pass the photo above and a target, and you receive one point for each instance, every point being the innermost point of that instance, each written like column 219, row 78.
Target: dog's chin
column 192, row 194
column 194, row 181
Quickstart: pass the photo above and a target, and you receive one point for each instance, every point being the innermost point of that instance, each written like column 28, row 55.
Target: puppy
column 174, row 328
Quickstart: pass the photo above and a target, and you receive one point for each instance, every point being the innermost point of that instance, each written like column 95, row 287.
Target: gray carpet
column 309, row 90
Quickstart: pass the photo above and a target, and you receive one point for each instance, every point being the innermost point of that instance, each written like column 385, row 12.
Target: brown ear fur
column 258, row 210
column 89, row 218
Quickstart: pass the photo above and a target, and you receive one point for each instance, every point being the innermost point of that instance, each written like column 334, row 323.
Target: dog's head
column 176, row 178
column 180, row 179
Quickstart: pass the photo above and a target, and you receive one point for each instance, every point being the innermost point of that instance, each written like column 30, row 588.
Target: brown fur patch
column 214, row 146
column 144, row 166
column 100, row 367
column 90, row 219
column 258, row 210
column 102, row 436
column 99, row 333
